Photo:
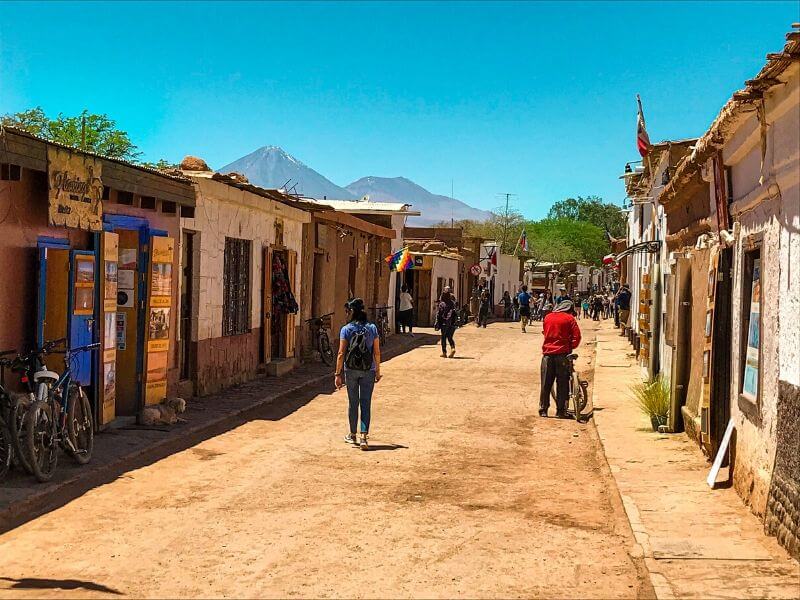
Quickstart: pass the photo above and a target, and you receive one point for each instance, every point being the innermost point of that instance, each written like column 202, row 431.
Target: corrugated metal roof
column 368, row 206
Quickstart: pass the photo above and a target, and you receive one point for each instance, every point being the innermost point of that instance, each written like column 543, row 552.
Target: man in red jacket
column 561, row 336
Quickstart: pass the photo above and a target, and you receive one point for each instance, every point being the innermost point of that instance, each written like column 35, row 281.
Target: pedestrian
column 445, row 321
column 515, row 308
column 485, row 307
column 524, row 300
column 539, row 307
column 597, row 307
column 506, row 302
column 547, row 307
column 624, row 304
column 585, row 306
column 406, row 312
column 561, row 336
column 358, row 366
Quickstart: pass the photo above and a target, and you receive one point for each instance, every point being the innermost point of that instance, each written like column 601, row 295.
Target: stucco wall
column 446, row 268
column 225, row 211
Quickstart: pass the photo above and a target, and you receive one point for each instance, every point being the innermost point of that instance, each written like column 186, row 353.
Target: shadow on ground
column 31, row 583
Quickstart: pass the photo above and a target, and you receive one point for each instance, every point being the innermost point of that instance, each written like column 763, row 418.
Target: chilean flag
column 522, row 244
column 642, row 139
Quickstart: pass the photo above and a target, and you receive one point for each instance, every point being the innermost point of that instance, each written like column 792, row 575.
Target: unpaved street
column 466, row 493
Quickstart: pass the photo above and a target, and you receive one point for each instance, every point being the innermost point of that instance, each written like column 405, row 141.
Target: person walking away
column 445, row 321
column 406, row 312
column 624, row 303
column 597, row 307
column 547, row 307
column 585, row 306
column 506, row 302
column 358, row 366
column 515, row 308
column 524, row 299
column 561, row 336
column 485, row 307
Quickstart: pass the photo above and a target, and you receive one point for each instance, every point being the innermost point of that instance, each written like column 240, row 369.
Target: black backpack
column 359, row 357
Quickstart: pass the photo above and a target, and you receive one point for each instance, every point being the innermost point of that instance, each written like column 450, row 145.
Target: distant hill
column 434, row 207
column 272, row 167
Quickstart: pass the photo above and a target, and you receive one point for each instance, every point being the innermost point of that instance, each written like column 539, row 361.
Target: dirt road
column 466, row 493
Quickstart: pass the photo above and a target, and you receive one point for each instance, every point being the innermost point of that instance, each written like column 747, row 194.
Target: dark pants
column 406, row 319
column 555, row 368
column 359, row 395
column 447, row 336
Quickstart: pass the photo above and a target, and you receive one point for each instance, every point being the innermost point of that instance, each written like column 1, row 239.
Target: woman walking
column 446, row 321
column 359, row 367
column 406, row 313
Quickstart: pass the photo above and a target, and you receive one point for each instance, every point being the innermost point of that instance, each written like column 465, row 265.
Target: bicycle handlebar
column 315, row 318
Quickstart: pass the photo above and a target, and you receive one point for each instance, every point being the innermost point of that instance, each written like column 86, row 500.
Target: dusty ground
column 465, row 494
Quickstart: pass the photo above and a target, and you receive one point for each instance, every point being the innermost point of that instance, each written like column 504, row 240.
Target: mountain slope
column 272, row 167
column 434, row 207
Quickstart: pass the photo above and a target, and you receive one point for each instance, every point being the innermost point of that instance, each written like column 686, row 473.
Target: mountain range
column 273, row 167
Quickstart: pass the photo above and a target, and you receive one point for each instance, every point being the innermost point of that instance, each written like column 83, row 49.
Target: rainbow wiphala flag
column 400, row 260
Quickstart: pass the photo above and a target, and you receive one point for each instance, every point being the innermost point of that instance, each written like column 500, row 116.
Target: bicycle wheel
column 40, row 438
column 80, row 427
column 16, row 426
column 576, row 395
column 581, row 392
column 6, row 451
column 325, row 350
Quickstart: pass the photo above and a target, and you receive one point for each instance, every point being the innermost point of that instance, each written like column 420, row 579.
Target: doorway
column 128, row 324
column 186, row 351
column 721, row 350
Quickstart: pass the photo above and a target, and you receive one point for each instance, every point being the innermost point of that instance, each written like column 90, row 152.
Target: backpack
column 359, row 357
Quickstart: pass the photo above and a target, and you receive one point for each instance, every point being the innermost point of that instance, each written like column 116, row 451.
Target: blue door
column 83, row 277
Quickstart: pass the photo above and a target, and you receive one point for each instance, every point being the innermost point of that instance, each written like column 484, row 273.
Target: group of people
column 359, row 358
column 607, row 305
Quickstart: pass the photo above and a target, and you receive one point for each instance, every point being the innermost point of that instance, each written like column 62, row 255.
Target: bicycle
column 60, row 416
column 382, row 322
column 13, row 407
column 320, row 327
column 578, row 390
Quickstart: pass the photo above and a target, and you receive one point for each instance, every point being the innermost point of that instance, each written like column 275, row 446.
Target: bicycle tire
column 581, row 393
column 40, row 439
column 80, row 427
column 6, row 450
column 16, row 425
column 575, row 396
column 325, row 350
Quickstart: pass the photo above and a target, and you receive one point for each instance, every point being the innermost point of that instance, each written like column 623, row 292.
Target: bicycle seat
column 572, row 356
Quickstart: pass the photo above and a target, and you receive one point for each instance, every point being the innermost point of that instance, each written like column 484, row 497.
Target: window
column 236, row 287
column 187, row 212
column 125, row 198
column 168, row 208
column 750, row 333
column 147, row 202
column 10, row 172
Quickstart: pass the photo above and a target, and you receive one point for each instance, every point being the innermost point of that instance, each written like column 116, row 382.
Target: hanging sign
column 475, row 269
column 75, row 189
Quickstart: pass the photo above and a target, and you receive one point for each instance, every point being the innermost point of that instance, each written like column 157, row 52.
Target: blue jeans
column 359, row 392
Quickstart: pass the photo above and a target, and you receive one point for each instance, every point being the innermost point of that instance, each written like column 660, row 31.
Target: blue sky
column 537, row 99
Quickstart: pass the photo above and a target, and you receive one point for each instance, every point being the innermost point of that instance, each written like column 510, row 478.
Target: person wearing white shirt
column 405, row 315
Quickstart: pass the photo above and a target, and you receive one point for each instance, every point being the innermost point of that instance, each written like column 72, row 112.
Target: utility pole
column 506, row 223
column 452, row 221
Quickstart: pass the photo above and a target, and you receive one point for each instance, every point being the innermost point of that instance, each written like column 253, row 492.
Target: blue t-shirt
column 524, row 299
column 349, row 330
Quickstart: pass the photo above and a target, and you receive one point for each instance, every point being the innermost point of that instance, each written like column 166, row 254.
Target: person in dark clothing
column 485, row 307
column 597, row 307
column 561, row 336
column 624, row 304
column 445, row 321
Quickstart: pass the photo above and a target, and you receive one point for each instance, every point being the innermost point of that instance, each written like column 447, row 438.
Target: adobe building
column 89, row 244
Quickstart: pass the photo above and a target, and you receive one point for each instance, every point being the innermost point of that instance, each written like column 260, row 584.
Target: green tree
column 593, row 210
column 86, row 131
column 562, row 240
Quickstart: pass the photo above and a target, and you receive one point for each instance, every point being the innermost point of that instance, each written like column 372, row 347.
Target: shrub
column 653, row 398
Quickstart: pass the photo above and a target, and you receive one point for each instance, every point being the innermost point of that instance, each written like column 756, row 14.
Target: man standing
column 561, row 336
column 624, row 303
column 524, row 299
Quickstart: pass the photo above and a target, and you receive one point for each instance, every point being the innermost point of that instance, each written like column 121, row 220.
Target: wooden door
column 291, row 319
column 266, row 303
column 109, row 276
column 423, row 293
column 82, row 312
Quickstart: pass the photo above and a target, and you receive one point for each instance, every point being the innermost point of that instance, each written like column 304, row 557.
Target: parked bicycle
column 61, row 416
column 320, row 326
column 382, row 322
column 578, row 390
column 13, row 408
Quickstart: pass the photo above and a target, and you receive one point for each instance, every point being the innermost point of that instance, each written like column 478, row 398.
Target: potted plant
column 653, row 399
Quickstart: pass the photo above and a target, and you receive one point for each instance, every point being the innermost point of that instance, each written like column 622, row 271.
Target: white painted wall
column 224, row 211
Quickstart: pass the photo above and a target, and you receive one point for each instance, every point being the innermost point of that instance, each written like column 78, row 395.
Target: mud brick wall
column 783, row 504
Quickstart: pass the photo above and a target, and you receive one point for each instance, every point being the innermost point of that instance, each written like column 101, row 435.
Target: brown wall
column 23, row 218
column 226, row 361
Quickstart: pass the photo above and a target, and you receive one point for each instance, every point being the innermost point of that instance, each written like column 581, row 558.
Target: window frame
column 750, row 406
column 236, row 286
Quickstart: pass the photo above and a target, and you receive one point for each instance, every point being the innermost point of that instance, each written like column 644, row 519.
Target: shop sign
column 158, row 322
column 75, row 190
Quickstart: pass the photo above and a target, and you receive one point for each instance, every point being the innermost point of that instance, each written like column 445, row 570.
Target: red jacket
column 561, row 333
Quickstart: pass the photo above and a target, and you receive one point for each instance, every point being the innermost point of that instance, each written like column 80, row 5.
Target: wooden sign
column 108, row 323
column 159, row 318
column 75, row 189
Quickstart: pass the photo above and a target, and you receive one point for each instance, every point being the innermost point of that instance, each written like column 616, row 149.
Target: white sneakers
column 352, row 438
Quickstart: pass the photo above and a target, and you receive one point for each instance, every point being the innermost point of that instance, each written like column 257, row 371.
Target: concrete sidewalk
column 697, row 542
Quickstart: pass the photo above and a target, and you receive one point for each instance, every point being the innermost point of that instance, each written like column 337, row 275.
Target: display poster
column 75, row 189
column 751, row 366
column 127, row 258
column 121, row 330
column 108, row 318
column 126, row 282
column 159, row 300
